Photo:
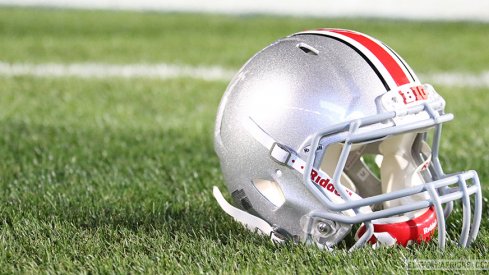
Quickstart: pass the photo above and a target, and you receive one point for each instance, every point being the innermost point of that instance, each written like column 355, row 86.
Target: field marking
column 168, row 71
column 100, row 70
column 459, row 79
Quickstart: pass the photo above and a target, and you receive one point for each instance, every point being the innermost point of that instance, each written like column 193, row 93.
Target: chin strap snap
column 251, row 222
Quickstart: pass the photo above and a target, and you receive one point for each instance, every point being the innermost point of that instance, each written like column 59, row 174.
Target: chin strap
column 251, row 222
column 287, row 157
column 418, row 229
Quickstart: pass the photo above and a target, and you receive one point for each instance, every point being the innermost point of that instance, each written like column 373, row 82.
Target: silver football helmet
column 327, row 129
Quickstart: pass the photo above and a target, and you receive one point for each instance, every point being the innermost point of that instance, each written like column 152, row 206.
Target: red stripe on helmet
column 391, row 65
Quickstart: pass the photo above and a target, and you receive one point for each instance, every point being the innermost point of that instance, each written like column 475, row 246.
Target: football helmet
column 328, row 130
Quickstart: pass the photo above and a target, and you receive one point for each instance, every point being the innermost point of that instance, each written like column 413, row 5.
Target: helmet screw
column 324, row 227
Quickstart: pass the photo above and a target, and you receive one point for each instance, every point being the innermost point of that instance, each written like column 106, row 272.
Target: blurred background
column 402, row 9
column 106, row 128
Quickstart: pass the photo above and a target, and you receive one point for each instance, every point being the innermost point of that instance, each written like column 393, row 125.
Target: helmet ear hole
column 270, row 190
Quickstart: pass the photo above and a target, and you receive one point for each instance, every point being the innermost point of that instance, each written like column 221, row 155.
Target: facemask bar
column 438, row 190
column 437, row 170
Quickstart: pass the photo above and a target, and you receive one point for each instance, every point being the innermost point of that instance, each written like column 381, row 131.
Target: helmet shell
column 292, row 89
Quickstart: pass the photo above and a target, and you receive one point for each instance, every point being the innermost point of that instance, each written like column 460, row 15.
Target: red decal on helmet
column 390, row 64
column 413, row 94
column 326, row 183
column 419, row 229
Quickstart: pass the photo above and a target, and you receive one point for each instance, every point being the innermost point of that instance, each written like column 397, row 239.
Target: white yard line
column 459, row 79
column 99, row 70
column 166, row 71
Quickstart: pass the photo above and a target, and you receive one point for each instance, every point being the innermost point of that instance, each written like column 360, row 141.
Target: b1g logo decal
column 414, row 94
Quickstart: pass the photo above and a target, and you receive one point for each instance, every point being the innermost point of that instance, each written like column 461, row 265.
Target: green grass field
column 114, row 175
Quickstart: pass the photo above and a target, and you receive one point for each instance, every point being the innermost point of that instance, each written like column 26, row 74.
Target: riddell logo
column 430, row 228
column 326, row 183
